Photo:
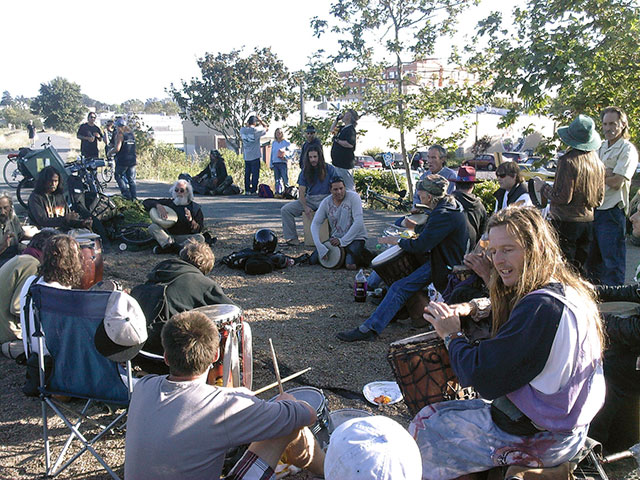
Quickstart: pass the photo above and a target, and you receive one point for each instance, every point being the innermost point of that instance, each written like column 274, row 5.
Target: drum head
column 338, row 417
column 222, row 313
column 170, row 221
column 427, row 337
column 311, row 395
column 30, row 230
column 621, row 309
column 388, row 254
column 418, row 218
column 335, row 257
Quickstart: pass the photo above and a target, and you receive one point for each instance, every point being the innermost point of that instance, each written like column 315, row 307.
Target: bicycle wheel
column 24, row 190
column 106, row 174
column 12, row 174
column 136, row 234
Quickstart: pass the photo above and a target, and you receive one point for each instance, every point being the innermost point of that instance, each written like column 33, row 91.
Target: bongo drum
column 170, row 221
column 423, row 371
column 335, row 257
column 394, row 264
column 92, row 261
column 314, row 397
column 234, row 367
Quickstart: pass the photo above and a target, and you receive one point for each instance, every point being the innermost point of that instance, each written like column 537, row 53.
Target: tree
column 7, row 99
column 233, row 86
column 18, row 116
column 563, row 58
column 60, row 103
column 132, row 106
column 407, row 29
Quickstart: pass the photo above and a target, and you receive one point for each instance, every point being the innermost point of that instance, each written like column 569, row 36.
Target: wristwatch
column 453, row 336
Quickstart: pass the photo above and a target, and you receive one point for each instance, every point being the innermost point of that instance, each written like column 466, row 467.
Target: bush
column 383, row 181
column 485, row 191
column 372, row 152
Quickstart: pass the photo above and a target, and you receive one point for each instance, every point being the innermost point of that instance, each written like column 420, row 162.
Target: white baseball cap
column 123, row 331
column 375, row 448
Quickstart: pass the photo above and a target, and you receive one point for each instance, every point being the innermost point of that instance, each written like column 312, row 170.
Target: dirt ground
column 300, row 308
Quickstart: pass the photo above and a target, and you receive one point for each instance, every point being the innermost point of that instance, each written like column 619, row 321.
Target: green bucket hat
column 581, row 134
column 434, row 184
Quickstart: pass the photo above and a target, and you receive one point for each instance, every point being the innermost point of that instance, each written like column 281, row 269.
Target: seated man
column 181, row 427
column 314, row 186
column 188, row 287
column 540, row 375
column 213, row 175
column 48, row 207
column 513, row 189
column 11, row 232
column 13, row 274
column 343, row 210
column 190, row 219
column 443, row 242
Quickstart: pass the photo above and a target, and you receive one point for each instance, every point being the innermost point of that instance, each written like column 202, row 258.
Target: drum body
column 423, row 371
column 335, row 257
column 394, row 264
column 234, row 367
column 92, row 260
column 338, row 417
column 315, row 397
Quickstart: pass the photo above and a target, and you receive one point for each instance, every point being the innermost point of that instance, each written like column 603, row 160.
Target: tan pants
column 164, row 238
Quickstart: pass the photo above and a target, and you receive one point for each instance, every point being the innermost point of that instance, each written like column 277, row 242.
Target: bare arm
column 119, row 140
column 613, row 180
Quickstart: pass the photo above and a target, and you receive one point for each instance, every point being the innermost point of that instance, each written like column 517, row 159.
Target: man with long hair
column 61, row 267
column 181, row 427
column 607, row 256
column 577, row 190
column 188, row 225
column 314, row 183
column 539, row 375
column 47, row 205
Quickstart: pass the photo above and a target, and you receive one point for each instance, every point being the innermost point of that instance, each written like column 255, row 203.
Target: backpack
column 255, row 263
column 264, row 191
column 290, row 192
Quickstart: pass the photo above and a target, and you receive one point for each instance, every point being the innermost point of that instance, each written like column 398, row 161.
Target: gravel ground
column 300, row 308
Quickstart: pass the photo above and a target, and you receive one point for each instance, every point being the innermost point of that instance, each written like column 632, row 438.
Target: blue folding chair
column 66, row 321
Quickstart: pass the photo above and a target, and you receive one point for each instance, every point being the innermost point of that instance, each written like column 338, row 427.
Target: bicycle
column 15, row 169
column 105, row 208
column 106, row 173
column 398, row 203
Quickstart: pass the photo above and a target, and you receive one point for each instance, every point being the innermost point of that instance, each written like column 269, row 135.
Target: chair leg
column 45, row 436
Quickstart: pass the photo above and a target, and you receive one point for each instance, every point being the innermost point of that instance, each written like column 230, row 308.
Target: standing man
column 343, row 148
column 31, row 130
column 607, row 256
column 251, row 152
column 109, row 136
column 125, row 151
column 343, row 210
column 311, row 139
column 89, row 135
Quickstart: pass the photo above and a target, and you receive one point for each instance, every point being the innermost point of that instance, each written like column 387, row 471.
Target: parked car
column 419, row 160
column 518, row 157
column 367, row 161
column 398, row 161
column 546, row 173
column 485, row 160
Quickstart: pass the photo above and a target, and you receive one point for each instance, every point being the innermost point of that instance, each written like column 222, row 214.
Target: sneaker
column 356, row 335
column 293, row 242
column 209, row 239
column 13, row 349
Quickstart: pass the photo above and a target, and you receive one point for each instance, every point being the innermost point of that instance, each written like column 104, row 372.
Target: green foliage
column 323, row 81
column 143, row 134
column 132, row 210
column 60, row 103
column 7, row 99
column 382, row 181
column 19, row 116
column 584, row 51
column 233, row 86
column 372, row 152
column 296, row 134
column 481, row 145
column 485, row 191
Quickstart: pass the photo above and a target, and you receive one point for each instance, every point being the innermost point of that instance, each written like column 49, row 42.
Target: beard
column 3, row 218
column 181, row 201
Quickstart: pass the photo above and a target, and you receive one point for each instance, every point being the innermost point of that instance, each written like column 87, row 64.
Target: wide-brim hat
column 123, row 332
column 170, row 221
column 581, row 134
column 334, row 258
column 466, row 174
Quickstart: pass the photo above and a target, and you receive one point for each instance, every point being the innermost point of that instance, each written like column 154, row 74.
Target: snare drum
column 314, row 397
column 92, row 261
column 234, row 368
column 338, row 417
column 423, row 371
column 394, row 264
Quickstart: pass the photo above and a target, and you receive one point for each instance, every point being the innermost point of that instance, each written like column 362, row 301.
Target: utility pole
column 301, row 103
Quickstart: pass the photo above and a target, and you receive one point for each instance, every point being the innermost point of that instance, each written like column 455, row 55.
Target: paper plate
column 375, row 389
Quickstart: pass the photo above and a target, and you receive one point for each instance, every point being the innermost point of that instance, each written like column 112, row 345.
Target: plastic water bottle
column 360, row 287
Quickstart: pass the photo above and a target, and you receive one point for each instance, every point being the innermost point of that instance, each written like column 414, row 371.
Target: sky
column 118, row 50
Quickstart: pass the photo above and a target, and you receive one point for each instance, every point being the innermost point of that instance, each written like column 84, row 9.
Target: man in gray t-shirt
column 250, row 136
column 181, row 427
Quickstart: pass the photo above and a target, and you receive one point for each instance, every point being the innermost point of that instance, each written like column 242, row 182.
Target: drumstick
column 286, row 379
column 275, row 367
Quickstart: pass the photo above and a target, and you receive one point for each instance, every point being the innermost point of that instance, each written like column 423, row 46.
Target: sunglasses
column 501, row 175
column 179, row 190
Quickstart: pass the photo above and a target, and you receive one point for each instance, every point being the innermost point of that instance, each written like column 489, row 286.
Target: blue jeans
column 251, row 175
column 398, row 294
column 281, row 176
column 607, row 256
column 126, row 179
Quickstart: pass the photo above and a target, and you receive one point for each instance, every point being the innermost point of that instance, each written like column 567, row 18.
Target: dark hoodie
column 476, row 214
column 443, row 241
